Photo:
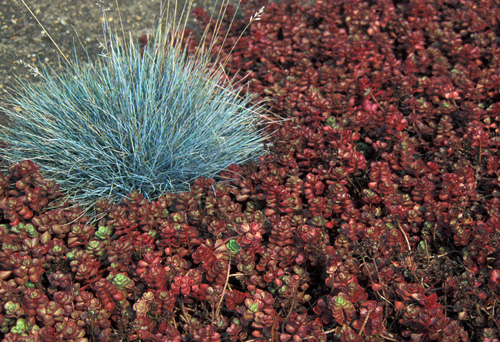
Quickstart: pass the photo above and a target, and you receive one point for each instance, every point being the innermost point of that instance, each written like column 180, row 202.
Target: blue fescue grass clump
column 149, row 120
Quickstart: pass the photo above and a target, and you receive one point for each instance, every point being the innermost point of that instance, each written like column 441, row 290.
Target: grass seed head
column 150, row 120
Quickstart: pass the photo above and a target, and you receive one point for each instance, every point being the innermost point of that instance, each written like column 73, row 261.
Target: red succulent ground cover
column 375, row 217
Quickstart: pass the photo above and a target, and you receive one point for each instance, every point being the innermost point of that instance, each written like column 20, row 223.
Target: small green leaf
column 233, row 246
column 21, row 327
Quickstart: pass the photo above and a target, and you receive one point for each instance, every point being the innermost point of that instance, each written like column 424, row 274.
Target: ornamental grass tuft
column 150, row 119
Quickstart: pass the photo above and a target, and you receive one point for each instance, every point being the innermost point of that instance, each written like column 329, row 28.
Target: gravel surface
column 72, row 24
